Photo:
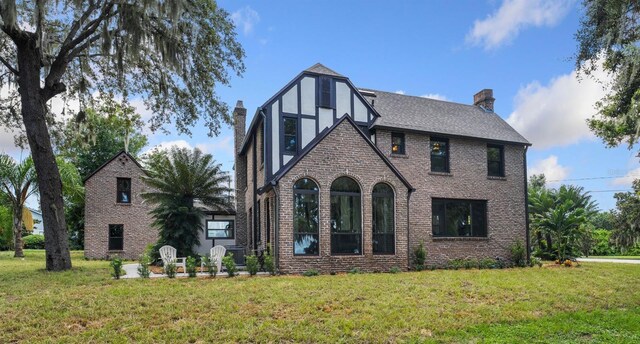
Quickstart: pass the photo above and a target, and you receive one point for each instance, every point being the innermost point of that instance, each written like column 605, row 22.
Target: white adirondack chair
column 216, row 254
column 168, row 255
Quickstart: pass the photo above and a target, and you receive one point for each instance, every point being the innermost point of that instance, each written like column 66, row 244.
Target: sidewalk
column 608, row 260
column 132, row 272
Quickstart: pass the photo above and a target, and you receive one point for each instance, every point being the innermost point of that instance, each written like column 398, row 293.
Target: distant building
column 38, row 228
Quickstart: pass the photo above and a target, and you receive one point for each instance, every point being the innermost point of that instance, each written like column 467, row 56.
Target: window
column 383, row 220
column 459, row 218
column 346, row 217
column 439, row 155
column 267, row 211
column 305, row 218
column 495, row 160
column 290, row 135
column 397, row 143
column 116, row 237
column 124, row 190
column 258, row 235
column 220, row 229
column 325, row 98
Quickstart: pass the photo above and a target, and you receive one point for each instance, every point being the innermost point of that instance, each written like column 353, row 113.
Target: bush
column 455, row 264
column 34, row 242
column 354, row 271
column 394, row 270
column 518, row 254
column 269, row 262
column 116, row 266
column 311, row 272
column 211, row 265
column 419, row 257
column 191, row 266
column 170, row 269
column 536, row 261
column 252, row 264
column 229, row 264
column 470, row 263
column 601, row 243
column 487, row 263
column 143, row 268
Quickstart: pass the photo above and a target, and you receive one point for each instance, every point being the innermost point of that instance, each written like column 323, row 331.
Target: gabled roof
column 427, row 115
column 319, row 68
column 110, row 160
column 345, row 118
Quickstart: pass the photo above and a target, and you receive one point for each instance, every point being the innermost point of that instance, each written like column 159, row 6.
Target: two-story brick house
column 332, row 177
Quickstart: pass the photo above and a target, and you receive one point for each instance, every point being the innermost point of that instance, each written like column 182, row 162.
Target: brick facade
column 101, row 210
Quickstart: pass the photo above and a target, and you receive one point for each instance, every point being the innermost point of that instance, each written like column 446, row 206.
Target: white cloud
column 435, row 96
column 246, row 18
column 628, row 178
column 219, row 146
column 399, row 92
column 555, row 114
column 166, row 145
column 551, row 169
column 514, row 15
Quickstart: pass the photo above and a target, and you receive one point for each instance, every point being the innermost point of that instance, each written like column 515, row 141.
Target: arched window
column 346, row 217
column 305, row 217
column 383, row 220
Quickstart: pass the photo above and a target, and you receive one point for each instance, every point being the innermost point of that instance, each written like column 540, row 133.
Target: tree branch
column 8, row 65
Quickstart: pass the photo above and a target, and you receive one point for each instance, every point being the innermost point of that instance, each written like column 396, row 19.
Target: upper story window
column 459, row 218
column 290, row 135
column 397, row 143
column 439, row 154
column 220, row 229
column 305, row 218
column 325, row 96
column 495, row 160
column 124, row 190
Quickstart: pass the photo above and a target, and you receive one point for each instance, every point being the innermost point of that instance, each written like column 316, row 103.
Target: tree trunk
column 49, row 182
column 17, row 232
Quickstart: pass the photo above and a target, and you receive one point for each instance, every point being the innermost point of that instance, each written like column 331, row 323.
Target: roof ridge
column 322, row 69
column 421, row 97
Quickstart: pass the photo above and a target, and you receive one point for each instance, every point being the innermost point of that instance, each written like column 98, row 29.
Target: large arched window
column 346, row 217
column 305, row 217
column 383, row 220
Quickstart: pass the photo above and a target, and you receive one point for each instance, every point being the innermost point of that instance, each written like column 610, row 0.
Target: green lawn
column 591, row 303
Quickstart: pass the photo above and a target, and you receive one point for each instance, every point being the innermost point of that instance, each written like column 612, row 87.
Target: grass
column 591, row 303
column 615, row 257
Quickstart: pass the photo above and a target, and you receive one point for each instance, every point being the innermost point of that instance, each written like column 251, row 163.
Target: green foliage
column 252, row 264
column 6, row 226
column 354, row 271
column 116, row 267
column 604, row 220
column 33, row 241
column 455, row 264
column 143, row 268
column 176, row 179
column 518, row 254
column 419, row 257
column 269, row 262
column 394, row 270
column 211, row 265
column 311, row 273
column 191, row 266
column 627, row 219
column 608, row 39
column 230, row 264
column 170, row 269
column 487, row 263
column 601, row 243
column 536, row 261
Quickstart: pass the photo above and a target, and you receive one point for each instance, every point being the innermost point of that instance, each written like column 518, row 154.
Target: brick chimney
column 240, row 166
column 484, row 99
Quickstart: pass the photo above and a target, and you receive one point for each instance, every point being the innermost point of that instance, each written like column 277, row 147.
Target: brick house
column 332, row 177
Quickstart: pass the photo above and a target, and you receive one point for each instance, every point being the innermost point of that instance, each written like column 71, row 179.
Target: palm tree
column 182, row 184
column 18, row 182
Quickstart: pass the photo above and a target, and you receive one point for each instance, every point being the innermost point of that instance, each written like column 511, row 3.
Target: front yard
column 591, row 303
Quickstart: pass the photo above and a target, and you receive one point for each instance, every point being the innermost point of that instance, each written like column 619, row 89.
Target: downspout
column 526, row 204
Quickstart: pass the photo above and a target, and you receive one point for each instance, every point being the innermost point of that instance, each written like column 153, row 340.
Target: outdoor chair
column 216, row 254
column 168, row 255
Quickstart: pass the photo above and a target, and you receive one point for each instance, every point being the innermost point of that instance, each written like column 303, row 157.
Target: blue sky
column 522, row 49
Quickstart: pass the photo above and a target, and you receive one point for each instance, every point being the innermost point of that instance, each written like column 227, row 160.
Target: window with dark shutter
column 325, row 96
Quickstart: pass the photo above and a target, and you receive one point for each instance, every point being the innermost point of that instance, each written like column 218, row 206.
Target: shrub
column 419, row 257
column 252, row 264
column 116, row 266
column 33, row 242
column 170, row 269
column 455, row 264
column 394, row 270
column 470, row 263
column 311, row 272
column 601, row 243
column 536, row 261
column 269, row 262
column 211, row 265
column 230, row 264
column 191, row 266
column 487, row 263
column 518, row 254
column 354, row 271
column 143, row 268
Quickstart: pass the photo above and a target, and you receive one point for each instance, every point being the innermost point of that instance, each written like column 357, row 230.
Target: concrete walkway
column 132, row 272
column 608, row 260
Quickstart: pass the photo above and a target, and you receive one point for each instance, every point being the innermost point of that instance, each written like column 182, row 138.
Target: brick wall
column 342, row 153
column 467, row 180
column 101, row 210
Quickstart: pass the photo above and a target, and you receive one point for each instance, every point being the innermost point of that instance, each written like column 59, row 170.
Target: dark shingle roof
column 441, row 117
column 319, row 68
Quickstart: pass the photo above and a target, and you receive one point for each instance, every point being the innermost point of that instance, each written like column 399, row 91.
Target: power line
column 592, row 178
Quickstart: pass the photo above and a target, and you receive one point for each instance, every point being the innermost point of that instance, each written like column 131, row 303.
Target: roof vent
column 484, row 99
column 367, row 93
